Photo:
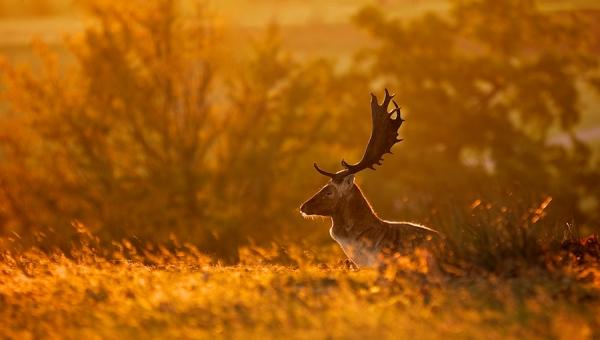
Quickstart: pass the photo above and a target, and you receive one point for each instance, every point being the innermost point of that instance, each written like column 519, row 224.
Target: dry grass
column 179, row 293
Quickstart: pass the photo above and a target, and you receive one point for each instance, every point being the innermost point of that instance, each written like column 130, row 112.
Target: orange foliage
column 160, row 127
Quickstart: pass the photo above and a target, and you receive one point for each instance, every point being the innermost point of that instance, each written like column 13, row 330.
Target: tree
column 160, row 129
column 483, row 88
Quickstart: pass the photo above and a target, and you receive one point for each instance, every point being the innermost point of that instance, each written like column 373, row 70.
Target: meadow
column 154, row 156
column 286, row 293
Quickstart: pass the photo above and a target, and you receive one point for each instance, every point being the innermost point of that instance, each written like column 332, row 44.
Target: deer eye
column 329, row 193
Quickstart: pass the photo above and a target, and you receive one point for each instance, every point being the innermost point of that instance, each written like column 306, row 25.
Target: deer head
column 384, row 135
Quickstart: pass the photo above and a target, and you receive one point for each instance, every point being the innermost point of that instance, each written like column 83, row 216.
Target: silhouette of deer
column 363, row 236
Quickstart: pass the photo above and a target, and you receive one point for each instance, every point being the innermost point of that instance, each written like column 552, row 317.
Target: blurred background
column 200, row 120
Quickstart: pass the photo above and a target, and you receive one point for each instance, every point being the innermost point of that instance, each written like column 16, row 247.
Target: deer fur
column 362, row 235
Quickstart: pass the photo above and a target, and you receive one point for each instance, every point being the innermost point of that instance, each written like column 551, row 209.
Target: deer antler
column 384, row 135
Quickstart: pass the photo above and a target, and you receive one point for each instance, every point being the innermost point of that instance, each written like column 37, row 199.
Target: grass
column 485, row 286
column 278, row 293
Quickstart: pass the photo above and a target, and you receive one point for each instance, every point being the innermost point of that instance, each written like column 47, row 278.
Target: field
column 154, row 157
column 181, row 294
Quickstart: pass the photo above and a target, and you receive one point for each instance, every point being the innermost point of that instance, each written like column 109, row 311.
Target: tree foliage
column 484, row 87
column 159, row 128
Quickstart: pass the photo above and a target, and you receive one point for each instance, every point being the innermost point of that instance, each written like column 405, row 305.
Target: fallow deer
column 363, row 236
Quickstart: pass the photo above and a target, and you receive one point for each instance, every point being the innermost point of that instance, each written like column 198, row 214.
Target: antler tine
column 387, row 99
column 323, row 172
column 396, row 110
column 374, row 100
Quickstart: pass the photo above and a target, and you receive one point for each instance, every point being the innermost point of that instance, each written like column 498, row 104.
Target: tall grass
column 173, row 290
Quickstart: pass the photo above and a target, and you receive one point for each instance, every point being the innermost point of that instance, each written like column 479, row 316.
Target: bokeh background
column 200, row 120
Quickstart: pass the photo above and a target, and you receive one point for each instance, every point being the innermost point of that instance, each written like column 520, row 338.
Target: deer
column 364, row 237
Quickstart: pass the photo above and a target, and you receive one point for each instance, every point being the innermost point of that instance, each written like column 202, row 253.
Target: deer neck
column 354, row 214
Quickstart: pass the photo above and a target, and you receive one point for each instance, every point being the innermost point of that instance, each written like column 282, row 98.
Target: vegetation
column 181, row 294
column 160, row 128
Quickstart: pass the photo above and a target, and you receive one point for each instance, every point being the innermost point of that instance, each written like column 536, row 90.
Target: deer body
column 363, row 236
